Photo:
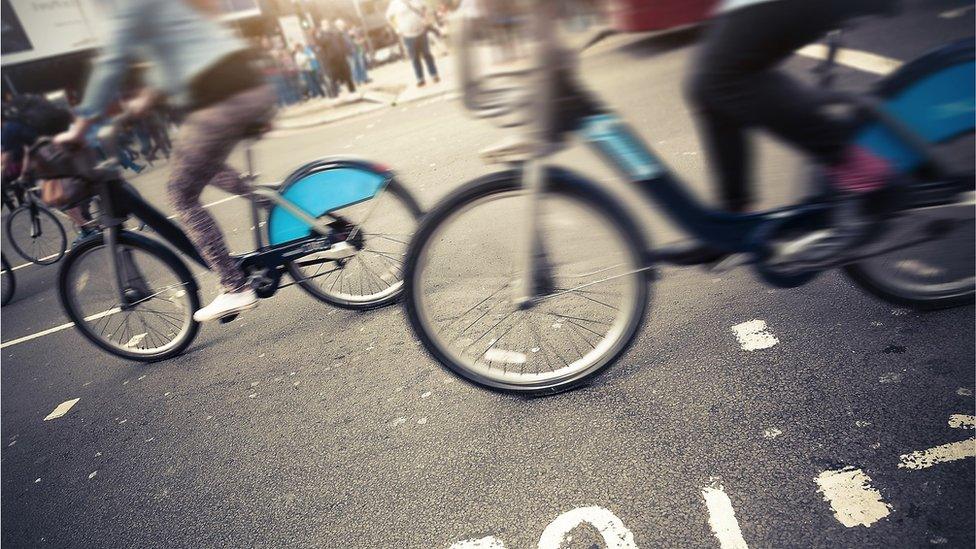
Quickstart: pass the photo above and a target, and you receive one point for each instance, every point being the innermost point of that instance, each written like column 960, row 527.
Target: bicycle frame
column 565, row 108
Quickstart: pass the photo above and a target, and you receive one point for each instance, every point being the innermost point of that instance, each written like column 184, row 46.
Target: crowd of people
column 335, row 55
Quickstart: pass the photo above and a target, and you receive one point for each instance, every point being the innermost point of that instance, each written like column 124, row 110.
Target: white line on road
column 490, row 542
column 854, row 501
column 754, row 335
column 62, row 409
column 940, row 454
column 49, row 331
column 855, row 59
column 721, row 517
column 961, row 421
column 615, row 534
column 958, row 12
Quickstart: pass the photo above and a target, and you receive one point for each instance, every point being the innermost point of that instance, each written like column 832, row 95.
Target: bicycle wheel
column 937, row 273
column 9, row 282
column 462, row 284
column 380, row 229
column 38, row 238
column 158, row 324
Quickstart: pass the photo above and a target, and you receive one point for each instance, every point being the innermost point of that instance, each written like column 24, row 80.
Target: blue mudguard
column 321, row 187
column 934, row 95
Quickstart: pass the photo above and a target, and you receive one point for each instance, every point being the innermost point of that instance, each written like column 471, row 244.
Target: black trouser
column 340, row 73
column 735, row 85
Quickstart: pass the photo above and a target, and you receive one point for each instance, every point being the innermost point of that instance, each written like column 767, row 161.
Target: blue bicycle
column 554, row 282
column 338, row 226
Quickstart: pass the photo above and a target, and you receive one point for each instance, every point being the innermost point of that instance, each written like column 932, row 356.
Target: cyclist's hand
column 142, row 103
column 75, row 135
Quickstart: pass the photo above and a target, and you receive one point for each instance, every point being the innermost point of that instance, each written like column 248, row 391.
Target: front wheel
column 154, row 319
column 36, row 234
column 378, row 230
column 463, row 299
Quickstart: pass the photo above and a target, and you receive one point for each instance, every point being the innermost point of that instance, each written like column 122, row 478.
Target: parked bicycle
column 34, row 231
column 338, row 226
column 553, row 286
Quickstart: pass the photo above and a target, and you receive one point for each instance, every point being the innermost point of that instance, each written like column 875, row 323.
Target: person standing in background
column 304, row 63
column 409, row 19
column 335, row 50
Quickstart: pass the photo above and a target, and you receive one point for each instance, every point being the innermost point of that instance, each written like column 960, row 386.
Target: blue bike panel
column 937, row 107
column 617, row 141
column 319, row 193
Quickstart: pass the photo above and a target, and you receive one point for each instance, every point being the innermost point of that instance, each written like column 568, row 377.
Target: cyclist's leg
column 735, row 84
column 207, row 137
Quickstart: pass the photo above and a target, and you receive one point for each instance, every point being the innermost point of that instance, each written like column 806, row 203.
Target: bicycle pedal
column 228, row 318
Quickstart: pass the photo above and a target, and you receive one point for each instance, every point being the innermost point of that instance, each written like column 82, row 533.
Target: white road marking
column 772, row 433
column 62, row 409
column 754, row 335
column 490, row 542
column 961, row 421
column 49, row 331
column 136, row 339
column 721, row 517
column 958, row 12
column 940, row 454
column 505, row 356
column 615, row 534
column 854, row 501
column 855, row 59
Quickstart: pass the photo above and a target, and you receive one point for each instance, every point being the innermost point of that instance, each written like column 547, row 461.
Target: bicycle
column 35, row 233
column 9, row 282
column 547, row 321
column 134, row 297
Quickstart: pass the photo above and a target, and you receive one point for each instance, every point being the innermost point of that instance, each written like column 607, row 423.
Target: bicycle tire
column 560, row 182
column 19, row 246
column 400, row 192
column 151, row 247
column 10, row 282
column 882, row 283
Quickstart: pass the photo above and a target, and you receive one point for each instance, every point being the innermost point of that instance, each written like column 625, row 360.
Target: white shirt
column 404, row 15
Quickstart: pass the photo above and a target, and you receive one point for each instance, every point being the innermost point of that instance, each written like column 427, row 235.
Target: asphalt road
column 301, row 425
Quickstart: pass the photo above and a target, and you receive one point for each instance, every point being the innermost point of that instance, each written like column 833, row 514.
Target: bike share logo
column 612, row 137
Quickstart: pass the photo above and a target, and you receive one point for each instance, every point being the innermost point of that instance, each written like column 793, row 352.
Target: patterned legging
column 199, row 159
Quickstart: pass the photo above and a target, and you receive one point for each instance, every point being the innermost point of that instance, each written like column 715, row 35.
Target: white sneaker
column 227, row 304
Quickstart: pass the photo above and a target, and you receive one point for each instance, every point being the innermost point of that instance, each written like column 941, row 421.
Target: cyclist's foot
column 226, row 304
column 84, row 233
column 856, row 217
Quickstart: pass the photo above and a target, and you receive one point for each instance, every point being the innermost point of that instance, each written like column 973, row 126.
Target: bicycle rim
column 380, row 229
column 160, row 321
column 466, row 305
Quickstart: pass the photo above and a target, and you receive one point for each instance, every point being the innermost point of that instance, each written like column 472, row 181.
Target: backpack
column 40, row 114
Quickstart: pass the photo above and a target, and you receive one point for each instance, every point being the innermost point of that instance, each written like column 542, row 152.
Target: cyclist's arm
column 115, row 58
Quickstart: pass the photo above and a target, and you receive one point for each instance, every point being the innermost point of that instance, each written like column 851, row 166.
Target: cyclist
column 735, row 85
column 207, row 71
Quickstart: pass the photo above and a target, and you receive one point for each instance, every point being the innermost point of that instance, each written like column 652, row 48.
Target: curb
column 377, row 105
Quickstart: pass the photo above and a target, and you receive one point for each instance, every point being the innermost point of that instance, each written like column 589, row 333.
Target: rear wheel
column 38, row 237
column 939, row 272
column 379, row 231
column 156, row 322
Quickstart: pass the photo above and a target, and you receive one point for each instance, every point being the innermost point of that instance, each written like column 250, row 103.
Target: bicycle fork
column 534, row 273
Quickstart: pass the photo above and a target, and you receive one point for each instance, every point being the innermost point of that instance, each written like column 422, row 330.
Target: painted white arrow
column 946, row 452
